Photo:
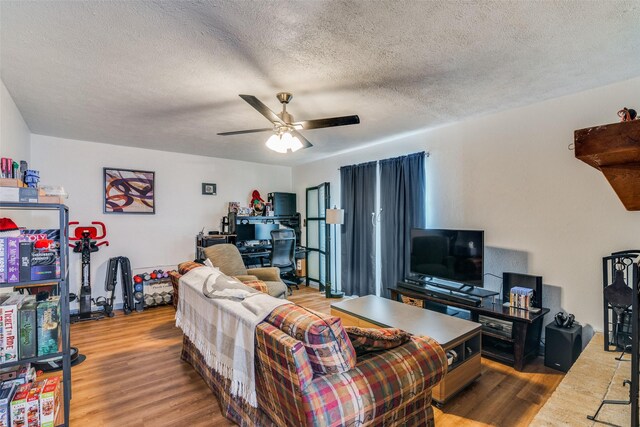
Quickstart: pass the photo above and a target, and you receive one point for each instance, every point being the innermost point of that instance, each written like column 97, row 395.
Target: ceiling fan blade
column 239, row 132
column 262, row 109
column 329, row 122
column 305, row 141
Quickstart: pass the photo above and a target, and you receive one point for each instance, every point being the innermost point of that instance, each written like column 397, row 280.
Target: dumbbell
column 166, row 297
column 148, row 300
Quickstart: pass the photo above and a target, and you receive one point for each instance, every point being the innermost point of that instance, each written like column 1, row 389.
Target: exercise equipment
column 130, row 287
column 155, row 286
column 87, row 241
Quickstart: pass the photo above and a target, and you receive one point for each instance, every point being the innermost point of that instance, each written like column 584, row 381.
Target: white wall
column 14, row 132
column 512, row 175
column 168, row 237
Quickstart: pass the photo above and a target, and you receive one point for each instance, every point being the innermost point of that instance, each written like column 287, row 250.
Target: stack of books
column 520, row 297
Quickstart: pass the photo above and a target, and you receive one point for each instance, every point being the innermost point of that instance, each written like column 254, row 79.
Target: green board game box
column 48, row 320
column 27, row 329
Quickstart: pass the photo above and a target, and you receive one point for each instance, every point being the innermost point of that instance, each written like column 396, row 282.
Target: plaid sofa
column 384, row 388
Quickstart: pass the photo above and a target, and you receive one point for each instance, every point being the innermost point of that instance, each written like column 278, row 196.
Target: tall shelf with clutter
column 62, row 283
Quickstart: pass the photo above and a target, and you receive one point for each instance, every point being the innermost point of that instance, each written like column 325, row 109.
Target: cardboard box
column 6, row 394
column 9, row 194
column 49, row 338
column 24, row 252
column 27, row 329
column 10, row 327
column 19, row 406
column 50, row 402
column 19, row 194
column 58, row 200
column 3, row 259
column 33, row 404
column 11, row 182
column 13, row 259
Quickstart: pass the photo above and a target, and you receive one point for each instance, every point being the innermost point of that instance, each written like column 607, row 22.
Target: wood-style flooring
column 133, row 376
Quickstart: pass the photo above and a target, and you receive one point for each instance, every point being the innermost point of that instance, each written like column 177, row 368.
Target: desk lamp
column 334, row 217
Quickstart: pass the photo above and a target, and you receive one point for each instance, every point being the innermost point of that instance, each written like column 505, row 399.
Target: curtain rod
column 426, row 154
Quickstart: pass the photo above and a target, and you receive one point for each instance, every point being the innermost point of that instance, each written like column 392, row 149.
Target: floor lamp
column 334, row 217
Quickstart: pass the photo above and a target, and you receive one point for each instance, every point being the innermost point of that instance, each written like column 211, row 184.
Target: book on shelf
column 520, row 297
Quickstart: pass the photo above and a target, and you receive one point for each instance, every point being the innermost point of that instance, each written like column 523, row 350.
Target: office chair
column 283, row 247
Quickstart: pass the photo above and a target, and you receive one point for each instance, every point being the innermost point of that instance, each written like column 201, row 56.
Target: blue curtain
column 358, row 199
column 403, row 203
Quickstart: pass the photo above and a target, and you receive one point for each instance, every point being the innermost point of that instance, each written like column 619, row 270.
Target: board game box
column 48, row 339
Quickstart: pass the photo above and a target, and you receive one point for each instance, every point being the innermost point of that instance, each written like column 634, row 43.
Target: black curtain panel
column 358, row 199
column 403, row 203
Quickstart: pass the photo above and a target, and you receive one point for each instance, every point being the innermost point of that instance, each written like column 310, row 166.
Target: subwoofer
column 562, row 346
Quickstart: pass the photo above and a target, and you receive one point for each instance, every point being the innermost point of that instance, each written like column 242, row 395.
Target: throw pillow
column 258, row 285
column 365, row 340
column 187, row 266
column 324, row 338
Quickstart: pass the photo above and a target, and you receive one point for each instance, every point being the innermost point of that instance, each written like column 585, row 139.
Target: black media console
column 509, row 335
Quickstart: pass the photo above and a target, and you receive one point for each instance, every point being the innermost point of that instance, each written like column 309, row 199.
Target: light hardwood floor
column 133, row 376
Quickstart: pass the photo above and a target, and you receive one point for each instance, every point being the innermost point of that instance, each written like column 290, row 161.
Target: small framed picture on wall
column 209, row 189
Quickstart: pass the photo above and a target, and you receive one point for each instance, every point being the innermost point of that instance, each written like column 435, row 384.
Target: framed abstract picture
column 129, row 191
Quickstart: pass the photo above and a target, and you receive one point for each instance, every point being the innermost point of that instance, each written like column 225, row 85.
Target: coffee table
column 461, row 336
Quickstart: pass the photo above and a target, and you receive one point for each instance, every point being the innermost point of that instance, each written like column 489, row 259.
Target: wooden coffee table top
column 415, row 320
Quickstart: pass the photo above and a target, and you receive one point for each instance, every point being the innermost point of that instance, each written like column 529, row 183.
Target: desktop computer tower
column 562, row 346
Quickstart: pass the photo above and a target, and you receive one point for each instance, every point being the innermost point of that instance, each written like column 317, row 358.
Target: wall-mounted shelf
column 614, row 149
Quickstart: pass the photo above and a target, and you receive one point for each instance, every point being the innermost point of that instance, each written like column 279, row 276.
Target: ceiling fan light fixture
column 275, row 143
column 295, row 144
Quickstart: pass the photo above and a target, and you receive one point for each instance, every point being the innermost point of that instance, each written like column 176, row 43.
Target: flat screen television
column 452, row 255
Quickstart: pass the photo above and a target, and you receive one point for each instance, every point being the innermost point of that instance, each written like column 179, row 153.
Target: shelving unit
column 63, row 289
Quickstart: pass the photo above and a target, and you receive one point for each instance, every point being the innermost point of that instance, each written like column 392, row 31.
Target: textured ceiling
column 167, row 75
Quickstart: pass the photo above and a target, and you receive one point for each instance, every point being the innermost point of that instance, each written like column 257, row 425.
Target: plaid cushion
column 283, row 372
column 365, row 340
column 175, row 280
column 385, row 388
column 258, row 285
column 187, row 266
column 324, row 338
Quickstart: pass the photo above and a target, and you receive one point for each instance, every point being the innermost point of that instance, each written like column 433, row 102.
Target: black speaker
column 562, row 346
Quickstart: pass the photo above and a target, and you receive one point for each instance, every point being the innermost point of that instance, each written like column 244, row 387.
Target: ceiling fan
column 285, row 131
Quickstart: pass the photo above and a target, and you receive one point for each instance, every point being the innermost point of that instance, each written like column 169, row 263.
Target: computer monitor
column 245, row 232
column 263, row 231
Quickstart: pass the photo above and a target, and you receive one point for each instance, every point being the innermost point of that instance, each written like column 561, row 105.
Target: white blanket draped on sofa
column 223, row 330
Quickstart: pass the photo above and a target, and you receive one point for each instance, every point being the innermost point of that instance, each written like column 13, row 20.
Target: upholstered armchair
column 227, row 258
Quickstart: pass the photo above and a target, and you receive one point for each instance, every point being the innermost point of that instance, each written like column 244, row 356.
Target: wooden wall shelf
column 614, row 149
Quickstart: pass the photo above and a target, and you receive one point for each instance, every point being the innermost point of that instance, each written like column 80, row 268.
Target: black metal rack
column 625, row 331
column 63, row 286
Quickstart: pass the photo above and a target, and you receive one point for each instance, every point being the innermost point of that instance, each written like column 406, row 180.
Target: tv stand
column 514, row 348
column 457, row 287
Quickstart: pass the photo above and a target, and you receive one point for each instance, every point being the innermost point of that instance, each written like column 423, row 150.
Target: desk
column 261, row 256
column 515, row 350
